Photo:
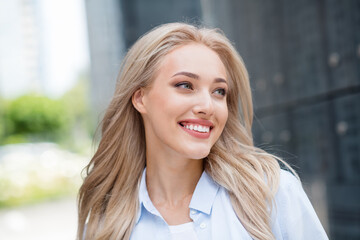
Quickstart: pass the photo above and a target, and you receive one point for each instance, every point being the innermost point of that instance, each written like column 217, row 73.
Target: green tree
column 33, row 117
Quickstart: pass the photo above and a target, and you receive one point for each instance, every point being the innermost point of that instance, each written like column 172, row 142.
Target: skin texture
column 190, row 84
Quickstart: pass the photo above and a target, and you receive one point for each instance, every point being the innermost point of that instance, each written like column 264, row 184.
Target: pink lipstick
column 198, row 128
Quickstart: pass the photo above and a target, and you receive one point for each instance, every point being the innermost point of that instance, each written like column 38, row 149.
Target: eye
column 185, row 85
column 220, row 91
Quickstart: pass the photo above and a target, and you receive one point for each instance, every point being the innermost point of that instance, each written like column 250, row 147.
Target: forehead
column 195, row 58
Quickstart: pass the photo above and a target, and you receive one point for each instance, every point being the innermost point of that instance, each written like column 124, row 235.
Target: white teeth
column 198, row 128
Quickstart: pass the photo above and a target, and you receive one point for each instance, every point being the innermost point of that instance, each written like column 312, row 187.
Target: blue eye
column 220, row 91
column 185, row 85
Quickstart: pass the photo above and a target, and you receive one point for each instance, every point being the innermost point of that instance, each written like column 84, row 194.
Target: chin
column 198, row 154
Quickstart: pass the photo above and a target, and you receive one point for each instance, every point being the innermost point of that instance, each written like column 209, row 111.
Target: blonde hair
column 108, row 197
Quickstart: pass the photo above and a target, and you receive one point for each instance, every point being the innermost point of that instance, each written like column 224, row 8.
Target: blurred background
column 58, row 66
column 45, row 122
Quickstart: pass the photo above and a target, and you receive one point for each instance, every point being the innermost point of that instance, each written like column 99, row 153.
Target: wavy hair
column 108, row 199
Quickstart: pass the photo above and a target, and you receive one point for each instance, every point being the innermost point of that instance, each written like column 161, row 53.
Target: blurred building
column 42, row 46
column 20, row 51
column 303, row 59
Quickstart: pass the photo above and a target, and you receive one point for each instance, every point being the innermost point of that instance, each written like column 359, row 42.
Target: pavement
column 55, row 220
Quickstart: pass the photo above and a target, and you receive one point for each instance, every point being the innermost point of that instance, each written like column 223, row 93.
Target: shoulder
column 293, row 213
column 290, row 197
column 289, row 184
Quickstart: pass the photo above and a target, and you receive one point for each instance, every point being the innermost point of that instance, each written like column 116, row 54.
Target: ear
column 137, row 100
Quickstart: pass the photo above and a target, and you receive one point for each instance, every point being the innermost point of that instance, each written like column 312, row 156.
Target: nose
column 203, row 104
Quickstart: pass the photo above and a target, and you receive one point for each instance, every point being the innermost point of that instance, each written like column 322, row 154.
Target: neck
column 172, row 181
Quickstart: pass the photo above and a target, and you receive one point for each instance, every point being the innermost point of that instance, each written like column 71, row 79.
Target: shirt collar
column 202, row 199
column 204, row 194
column 143, row 194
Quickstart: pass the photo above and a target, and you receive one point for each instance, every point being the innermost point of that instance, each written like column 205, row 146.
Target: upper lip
column 202, row 122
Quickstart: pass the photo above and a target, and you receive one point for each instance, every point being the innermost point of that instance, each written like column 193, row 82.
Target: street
column 55, row 220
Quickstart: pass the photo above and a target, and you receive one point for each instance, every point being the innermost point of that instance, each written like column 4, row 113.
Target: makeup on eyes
column 223, row 91
column 189, row 86
column 184, row 84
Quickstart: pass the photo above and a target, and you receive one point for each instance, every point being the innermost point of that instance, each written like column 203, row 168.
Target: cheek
column 157, row 100
column 165, row 106
column 168, row 105
column 222, row 114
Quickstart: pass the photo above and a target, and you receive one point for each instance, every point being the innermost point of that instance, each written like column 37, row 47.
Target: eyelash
column 223, row 91
column 181, row 84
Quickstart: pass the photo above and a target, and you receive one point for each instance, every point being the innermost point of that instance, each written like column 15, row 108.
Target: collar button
column 203, row 225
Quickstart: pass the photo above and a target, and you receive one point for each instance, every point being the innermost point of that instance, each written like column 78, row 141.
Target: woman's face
column 185, row 108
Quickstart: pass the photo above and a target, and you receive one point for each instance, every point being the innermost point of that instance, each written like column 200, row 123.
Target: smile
column 196, row 130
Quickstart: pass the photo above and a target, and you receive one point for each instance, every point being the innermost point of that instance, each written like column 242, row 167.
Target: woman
column 177, row 160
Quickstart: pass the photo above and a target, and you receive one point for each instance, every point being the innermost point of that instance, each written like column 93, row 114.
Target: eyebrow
column 195, row 76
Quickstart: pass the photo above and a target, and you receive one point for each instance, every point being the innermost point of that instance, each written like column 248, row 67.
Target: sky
column 61, row 45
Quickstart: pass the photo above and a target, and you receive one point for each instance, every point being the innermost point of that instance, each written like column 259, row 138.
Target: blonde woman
column 177, row 160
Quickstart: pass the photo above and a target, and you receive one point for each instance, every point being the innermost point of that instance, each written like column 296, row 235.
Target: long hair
column 108, row 198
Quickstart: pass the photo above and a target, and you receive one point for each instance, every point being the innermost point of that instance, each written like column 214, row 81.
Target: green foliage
column 34, row 117
column 36, row 114
column 34, row 192
column 15, row 138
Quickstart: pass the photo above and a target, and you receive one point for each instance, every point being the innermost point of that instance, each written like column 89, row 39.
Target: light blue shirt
column 214, row 218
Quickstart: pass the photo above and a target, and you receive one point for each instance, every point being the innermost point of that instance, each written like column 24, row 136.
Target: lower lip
column 202, row 135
